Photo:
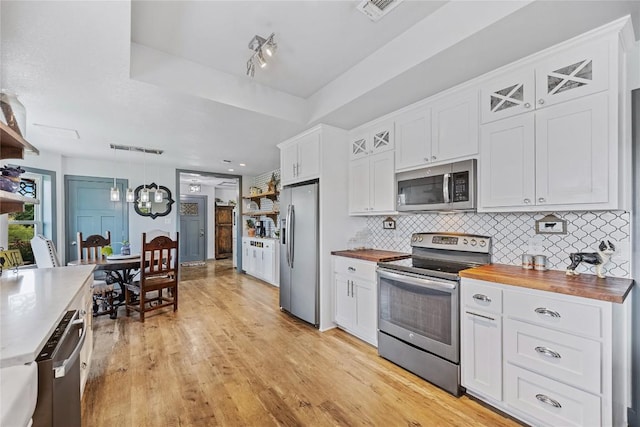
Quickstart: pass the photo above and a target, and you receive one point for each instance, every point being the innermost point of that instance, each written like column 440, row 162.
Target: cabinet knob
column 541, row 200
column 527, row 201
column 83, row 365
column 433, row 157
column 426, row 159
column 351, row 269
column 527, row 105
column 541, row 101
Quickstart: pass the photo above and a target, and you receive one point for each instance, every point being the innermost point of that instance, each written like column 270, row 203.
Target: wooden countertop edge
column 370, row 255
column 515, row 276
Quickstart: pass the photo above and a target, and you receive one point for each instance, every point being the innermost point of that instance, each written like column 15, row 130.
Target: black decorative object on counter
column 599, row 259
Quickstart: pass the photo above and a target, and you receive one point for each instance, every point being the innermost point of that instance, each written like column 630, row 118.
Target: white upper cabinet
column 567, row 75
column 373, row 140
column 455, row 127
column 372, row 185
column 413, row 139
column 300, row 158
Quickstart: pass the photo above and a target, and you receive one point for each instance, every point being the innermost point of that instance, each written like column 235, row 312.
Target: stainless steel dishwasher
column 59, row 374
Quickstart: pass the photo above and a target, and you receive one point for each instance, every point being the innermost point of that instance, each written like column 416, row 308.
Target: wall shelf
column 272, row 195
column 12, row 145
column 12, row 202
column 271, row 214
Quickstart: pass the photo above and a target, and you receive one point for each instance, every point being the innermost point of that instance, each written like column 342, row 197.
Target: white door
column 365, row 321
column 509, row 95
column 482, row 353
column 345, row 303
column 573, row 73
column 413, row 139
column 507, row 162
column 455, row 127
column 268, row 270
column 382, row 178
column 572, row 159
column 359, row 185
column 308, row 157
column 289, row 160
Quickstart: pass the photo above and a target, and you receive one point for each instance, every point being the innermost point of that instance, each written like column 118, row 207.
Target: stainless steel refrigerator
column 299, row 251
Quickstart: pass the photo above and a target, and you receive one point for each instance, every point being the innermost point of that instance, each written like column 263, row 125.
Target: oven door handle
column 421, row 281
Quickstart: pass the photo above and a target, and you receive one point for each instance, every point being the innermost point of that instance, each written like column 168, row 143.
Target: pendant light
column 130, row 196
column 159, row 195
column 144, row 194
column 114, row 194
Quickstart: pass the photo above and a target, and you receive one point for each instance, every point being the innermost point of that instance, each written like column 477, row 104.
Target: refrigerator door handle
column 287, row 235
column 292, row 230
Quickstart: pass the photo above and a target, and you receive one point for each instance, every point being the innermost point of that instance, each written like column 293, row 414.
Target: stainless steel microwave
column 447, row 187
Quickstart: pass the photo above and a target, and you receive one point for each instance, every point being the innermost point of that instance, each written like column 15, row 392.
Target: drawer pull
column 480, row 315
column 351, row 269
column 480, row 297
column 549, row 401
column 547, row 312
column 548, row 352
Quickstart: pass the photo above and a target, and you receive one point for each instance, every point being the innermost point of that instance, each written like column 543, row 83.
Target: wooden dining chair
column 159, row 268
column 90, row 249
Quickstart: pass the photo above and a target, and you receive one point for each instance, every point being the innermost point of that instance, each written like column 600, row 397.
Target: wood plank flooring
column 228, row 356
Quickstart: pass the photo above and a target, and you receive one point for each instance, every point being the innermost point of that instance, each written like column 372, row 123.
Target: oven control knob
column 414, row 239
column 411, row 336
column 483, row 243
column 465, row 241
column 473, row 242
column 420, row 239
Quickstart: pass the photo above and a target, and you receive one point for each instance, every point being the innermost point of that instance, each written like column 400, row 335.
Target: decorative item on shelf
column 251, row 227
column 255, row 191
column 232, row 202
column 13, row 114
column 10, row 178
column 599, row 259
column 252, row 207
column 272, row 185
column 389, row 223
column 551, row 224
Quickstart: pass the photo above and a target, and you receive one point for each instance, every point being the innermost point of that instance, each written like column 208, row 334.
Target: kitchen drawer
column 482, row 296
column 557, row 313
column 351, row 267
column 568, row 358
column 549, row 401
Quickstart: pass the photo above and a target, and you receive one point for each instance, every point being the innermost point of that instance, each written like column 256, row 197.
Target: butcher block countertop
column 611, row 289
column 373, row 255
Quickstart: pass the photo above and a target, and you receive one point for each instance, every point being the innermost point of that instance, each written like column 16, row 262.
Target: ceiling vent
column 376, row 9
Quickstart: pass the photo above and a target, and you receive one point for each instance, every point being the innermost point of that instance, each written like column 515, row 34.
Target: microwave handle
column 445, row 187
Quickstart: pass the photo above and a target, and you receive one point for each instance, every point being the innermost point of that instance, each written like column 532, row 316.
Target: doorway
column 193, row 220
column 89, row 210
column 222, row 191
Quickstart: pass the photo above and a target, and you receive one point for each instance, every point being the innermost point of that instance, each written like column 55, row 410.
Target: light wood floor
column 228, row 356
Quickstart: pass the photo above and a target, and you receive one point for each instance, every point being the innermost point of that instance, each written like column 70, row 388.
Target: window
column 24, row 225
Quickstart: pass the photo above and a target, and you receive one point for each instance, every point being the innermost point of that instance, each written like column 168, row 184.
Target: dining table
column 121, row 269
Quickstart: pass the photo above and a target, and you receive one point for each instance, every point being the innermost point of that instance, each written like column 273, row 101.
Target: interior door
column 90, row 211
column 193, row 212
column 224, row 229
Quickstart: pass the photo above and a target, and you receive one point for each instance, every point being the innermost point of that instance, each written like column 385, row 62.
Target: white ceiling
column 170, row 75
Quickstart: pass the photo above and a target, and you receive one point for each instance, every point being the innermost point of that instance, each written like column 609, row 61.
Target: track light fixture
column 262, row 48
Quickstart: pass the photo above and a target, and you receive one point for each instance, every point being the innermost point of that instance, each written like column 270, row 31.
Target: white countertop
column 32, row 302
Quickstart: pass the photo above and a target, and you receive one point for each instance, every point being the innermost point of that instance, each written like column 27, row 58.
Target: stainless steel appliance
column 299, row 251
column 419, row 305
column 59, row 375
column 260, row 228
column 438, row 188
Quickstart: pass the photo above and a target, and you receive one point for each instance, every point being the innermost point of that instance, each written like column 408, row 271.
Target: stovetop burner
column 443, row 255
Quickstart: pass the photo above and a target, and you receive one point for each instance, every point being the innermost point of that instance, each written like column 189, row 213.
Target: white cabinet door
column 359, row 186
column 268, row 267
column 288, row 160
column 482, row 352
column 573, row 73
column 413, row 139
column 382, row 178
column 455, row 127
column 572, row 158
column 359, row 146
column 308, row 157
column 345, row 303
column 382, row 138
column 507, row 162
column 509, row 95
column 365, row 319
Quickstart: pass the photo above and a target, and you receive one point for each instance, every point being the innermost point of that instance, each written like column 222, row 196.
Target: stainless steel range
column 419, row 305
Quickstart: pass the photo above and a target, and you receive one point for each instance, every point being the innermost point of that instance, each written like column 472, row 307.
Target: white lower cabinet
column 84, row 303
column 260, row 259
column 356, row 297
column 545, row 358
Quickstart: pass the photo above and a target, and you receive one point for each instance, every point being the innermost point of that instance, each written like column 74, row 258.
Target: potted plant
column 251, row 227
column 272, row 185
column 126, row 248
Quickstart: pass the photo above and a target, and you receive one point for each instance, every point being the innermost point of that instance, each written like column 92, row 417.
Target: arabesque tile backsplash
column 514, row 234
